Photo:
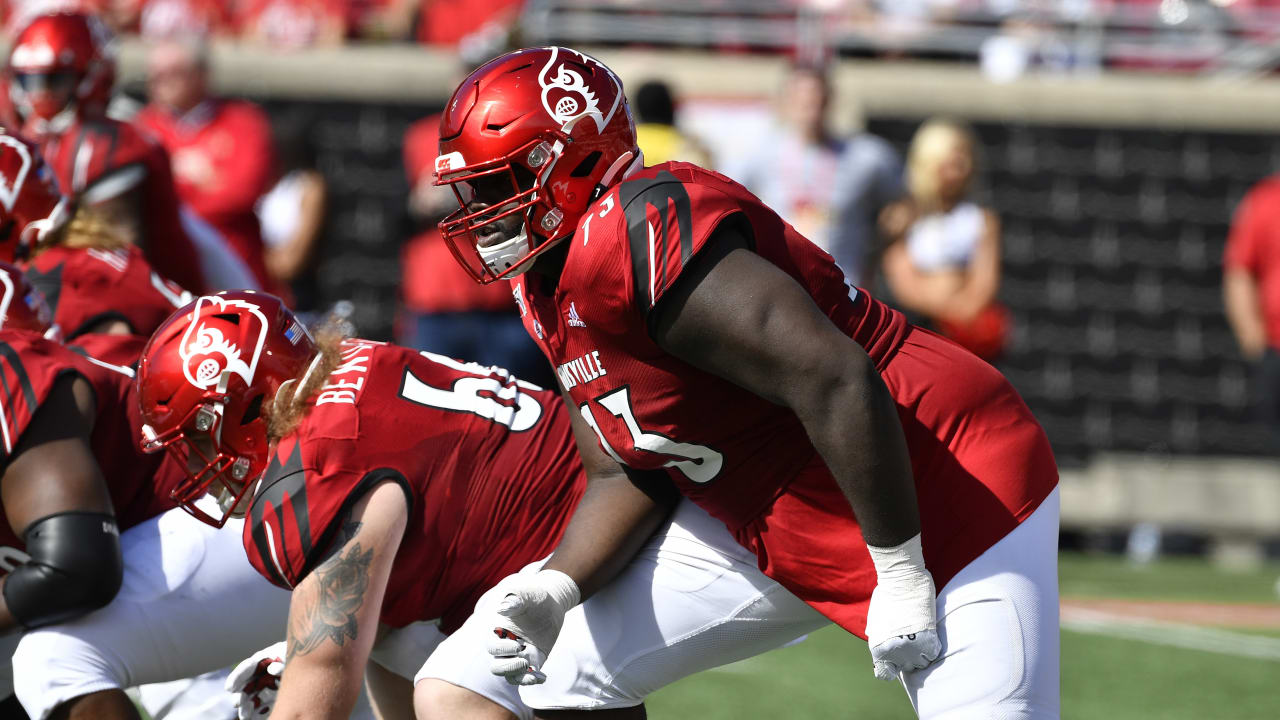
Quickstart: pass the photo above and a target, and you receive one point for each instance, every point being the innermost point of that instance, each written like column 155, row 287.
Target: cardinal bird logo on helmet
column 207, row 352
column 567, row 94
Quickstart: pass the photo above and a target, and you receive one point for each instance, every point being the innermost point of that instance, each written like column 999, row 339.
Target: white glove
column 527, row 623
column 255, row 682
column 902, row 627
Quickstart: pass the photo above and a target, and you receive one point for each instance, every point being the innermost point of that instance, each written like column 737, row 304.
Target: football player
column 866, row 462
column 60, row 73
column 395, row 489
column 71, row 479
column 105, row 297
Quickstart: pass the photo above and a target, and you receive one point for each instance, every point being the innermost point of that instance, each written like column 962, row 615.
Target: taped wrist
column 898, row 562
column 75, row 568
column 561, row 588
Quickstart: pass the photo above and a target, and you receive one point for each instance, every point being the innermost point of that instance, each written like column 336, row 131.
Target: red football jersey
column 121, row 350
column 733, row 452
column 93, row 154
column 487, row 463
column 86, row 286
column 139, row 484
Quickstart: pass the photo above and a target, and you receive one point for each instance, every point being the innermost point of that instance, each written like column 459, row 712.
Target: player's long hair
column 286, row 411
column 88, row 228
column 932, row 144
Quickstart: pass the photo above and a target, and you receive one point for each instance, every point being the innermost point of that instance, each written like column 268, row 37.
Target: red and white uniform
column 488, row 466
column 86, row 286
column 97, row 159
column 981, row 462
column 139, row 484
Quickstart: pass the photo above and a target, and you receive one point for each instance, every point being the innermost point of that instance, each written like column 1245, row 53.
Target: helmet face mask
column 211, row 467
column 528, row 142
column 497, row 202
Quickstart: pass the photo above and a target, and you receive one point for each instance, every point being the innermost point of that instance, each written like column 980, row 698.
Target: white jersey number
column 701, row 464
column 483, row 392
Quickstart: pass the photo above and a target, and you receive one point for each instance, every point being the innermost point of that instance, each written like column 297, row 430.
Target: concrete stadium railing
column 411, row 74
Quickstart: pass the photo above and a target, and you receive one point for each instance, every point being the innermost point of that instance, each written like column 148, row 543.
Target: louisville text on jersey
column 581, row 370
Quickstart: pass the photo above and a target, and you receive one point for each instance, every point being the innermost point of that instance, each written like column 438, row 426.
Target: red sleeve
column 29, row 367
column 668, row 222
column 299, row 509
column 247, row 175
column 87, row 286
column 1253, row 218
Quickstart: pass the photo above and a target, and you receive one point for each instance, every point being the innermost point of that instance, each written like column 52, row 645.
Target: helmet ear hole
column 587, row 165
column 253, row 411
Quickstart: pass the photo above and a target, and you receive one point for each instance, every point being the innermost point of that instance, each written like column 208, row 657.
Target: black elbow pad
column 75, row 568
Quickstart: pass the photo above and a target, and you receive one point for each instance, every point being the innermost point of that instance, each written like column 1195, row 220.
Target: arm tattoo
column 341, row 583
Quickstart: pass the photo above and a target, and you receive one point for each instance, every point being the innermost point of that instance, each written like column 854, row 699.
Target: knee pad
column 75, row 568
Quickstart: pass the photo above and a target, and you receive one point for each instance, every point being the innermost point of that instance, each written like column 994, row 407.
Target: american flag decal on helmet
column 295, row 332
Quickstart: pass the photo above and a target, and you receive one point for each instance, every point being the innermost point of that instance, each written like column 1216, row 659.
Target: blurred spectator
column 382, row 19
column 1251, row 285
column 168, row 19
column 293, row 24
column 656, row 132
column 829, row 189
column 445, row 311
column 478, row 29
column 292, row 213
column 944, row 258
column 221, row 150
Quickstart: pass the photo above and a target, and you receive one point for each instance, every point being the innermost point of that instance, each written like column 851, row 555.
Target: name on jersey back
column 347, row 380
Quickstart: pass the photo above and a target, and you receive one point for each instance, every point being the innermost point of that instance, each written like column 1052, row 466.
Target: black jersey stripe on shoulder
column 660, row 191
column 367, row 483
column 24, row 381
column 282, row 484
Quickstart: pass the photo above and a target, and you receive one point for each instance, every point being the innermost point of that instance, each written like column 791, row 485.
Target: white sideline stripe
column 1192, row 637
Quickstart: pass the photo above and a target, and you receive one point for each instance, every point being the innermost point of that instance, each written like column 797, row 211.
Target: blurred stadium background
column 1116, row 139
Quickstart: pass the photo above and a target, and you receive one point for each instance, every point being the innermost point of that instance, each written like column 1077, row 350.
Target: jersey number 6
column 480, row 393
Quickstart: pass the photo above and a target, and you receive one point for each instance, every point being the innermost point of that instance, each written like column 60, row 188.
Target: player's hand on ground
column 526, row 623
column 255, row 682
column 902, row 627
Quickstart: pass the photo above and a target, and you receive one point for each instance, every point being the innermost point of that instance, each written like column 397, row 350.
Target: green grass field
column 829, row 675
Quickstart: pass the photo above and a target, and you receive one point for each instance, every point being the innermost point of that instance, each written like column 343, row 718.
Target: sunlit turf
column 829, row 675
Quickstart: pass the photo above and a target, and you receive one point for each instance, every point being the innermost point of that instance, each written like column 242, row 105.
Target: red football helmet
column 527, row 143
column 202, row 380
column 22, row 306
column 61, row 64
column 31, row 206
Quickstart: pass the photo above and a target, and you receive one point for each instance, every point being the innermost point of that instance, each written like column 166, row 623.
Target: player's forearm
column 315, row 686
column 1244, row 312
column 610, row 524
column 853, row 423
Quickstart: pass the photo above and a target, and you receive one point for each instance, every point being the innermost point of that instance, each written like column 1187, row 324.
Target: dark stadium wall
column 1112, row 249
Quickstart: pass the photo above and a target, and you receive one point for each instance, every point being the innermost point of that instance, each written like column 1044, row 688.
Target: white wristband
column 560, row 588
column 898, row 562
